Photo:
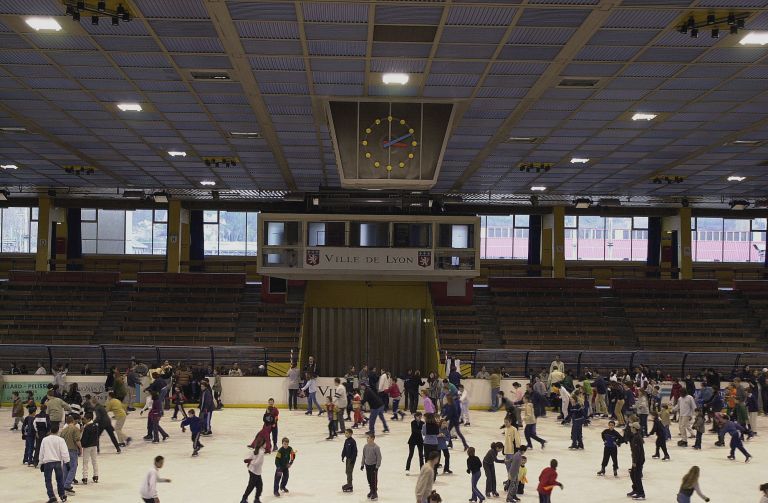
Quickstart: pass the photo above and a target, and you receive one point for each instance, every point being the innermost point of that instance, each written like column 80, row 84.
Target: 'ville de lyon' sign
column 381, row 259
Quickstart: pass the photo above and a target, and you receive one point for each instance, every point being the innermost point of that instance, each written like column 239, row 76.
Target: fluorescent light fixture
column 582, row 203
column 736, row 178
column 746, row 142
column 177, row 153
column 755, row 38
column 11, row 129
column 579, row 160
column 207, row 183
column 522, row 139
column 129, row 107
column 538, row 188
column 4, row 195
column 644, row 117
column 246, row 134
column 738, row 205
column 43, row 23
column 8, row 166
column 395, row 78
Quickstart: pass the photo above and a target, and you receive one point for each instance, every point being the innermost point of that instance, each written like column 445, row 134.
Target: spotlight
column 684, row 29
column 120, row 10
column 582, row 203
column 115, row 21
column 740, row 23
column 76, row 16
column 101, row 6
column 710, row 19
column 734, row 30
column 208, row 162
column 684, row 202
column 715, row 33
column 160, row 197
column 534, row 199
column 95, row 20
column 4, row 194
column 731, row 19
column 695, row 33
column 738, row 205
column 215, row 194
column 691, row 22
column 126, row 17
column 70, row 10
column 80, row 5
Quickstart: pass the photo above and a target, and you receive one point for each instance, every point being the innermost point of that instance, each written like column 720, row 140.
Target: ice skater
column 415, row 442
column 284, row 460
column 489, row 467
column 195, row 428
column 612, row 439
column 371, row 462
column 661, row 436
column 349, row 457
column 255, row 463
column 473, row 469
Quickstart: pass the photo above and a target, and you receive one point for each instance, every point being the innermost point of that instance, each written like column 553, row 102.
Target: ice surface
column 219, row 475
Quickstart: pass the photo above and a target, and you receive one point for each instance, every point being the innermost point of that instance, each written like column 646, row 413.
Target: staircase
column 111, row 324
column 486, row 315
column 274, row 326
column 613, row 310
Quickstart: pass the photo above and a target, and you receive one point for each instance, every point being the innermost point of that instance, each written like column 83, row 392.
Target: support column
column 677, row 229
column 173, row 245
column 44, row 225
column 553, row 241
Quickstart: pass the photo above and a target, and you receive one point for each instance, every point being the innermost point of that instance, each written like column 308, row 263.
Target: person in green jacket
column 283, row 461
column 56, row 407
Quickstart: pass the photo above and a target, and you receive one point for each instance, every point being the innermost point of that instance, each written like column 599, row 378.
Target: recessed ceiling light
column 207, row 183
column 160, row 197
column 245, row 134
column 736, row 178
column 43, row 23
column 746, row 142
column 538, row 188
column 644, row 117
column 8, row 166
column 177, row 153
column 129, row 107
column 11, row 129
column 755, row 38
column 522, row 139
column 582, row 203
column 395, row 78
column 579, row 160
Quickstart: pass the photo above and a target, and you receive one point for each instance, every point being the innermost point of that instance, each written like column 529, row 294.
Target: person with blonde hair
column 689, row 485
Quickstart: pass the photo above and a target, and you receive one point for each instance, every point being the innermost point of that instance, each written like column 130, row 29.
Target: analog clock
column 389, row 143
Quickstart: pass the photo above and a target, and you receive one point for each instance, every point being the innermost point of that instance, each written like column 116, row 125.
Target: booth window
column 124, row 232
column 229, row 233
column 18, row 230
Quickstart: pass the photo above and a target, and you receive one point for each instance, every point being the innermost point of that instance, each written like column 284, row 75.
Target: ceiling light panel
column 43, row 24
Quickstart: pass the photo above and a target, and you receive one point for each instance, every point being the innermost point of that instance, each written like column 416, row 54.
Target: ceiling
column 501, row 62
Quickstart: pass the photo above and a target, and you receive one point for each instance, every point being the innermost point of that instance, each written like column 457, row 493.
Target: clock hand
column 397, row 140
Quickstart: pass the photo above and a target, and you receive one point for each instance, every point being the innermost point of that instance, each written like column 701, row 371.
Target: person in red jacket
column 548, row 481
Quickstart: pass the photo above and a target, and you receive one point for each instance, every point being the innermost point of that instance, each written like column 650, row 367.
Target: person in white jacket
column 385, row 382
column 686, row 407
column 148, row 488
column 310, row 387
column 340, row 401
column 53, row 455
column 464, row 402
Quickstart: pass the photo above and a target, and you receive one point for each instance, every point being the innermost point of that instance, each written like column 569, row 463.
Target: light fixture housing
column 579, row 160
column 755, row 38
column 160, row 197
column 736, row 178
column 582, row 203
column 129, row 107
column 395, row 78
column 4, row 194
column 642, row 116
column 538, row 188
column 177, row 153
column 43, row 24
column 8, row 166
column 207, row 183
column 738, row 204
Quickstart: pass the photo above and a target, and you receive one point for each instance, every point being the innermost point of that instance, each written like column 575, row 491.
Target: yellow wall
column 367, row 294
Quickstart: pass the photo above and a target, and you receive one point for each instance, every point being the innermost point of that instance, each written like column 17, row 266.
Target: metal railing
column 99, row 358
column 520, row 362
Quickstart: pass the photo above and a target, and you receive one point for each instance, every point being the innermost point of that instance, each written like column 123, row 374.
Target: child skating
column 371, row 462
column 489, row 467
column 255, row 463
column 349, row 457
column 283, row 461
column 473, row 469
column 330, row 409
column 195, row 427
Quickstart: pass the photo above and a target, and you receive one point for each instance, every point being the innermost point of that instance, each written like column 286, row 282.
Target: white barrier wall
column 250, row 391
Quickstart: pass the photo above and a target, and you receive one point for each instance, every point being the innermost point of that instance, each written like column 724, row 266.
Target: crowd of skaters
column 628, row 399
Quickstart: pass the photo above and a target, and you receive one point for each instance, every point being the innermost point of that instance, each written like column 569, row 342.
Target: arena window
column 504, row 236
column 728, row 239
column 589, row 237
column 230, row 233
column 18, row 230
column 124, row 232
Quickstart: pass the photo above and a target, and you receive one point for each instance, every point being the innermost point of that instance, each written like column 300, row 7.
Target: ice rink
column 218, row 475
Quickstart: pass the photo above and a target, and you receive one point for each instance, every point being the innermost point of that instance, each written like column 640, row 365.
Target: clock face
column 389, row 143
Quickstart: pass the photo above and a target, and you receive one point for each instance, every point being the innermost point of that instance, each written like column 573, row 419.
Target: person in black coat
column 412, row 386
column 638, row 460
column 349, row 456
column 415, row 441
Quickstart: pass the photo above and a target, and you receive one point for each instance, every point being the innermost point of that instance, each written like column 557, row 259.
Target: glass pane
column 316, row 234
column 570, row 221
column 111, row 225
column 758, row 224
column 757, row 247
column 522, row 220
column 640, row 245
column 161, row 215
column 618, row 242
column 232, row 233
column 591, row 238
column 274, row 233
column 496, row 245
column 87, row 214
column 460, row 236
column 251, row 233
column 373, row 234
column 36, row 211
column 15, row 230
column 138, row 232
column 413, row 235
column 571, row 244
column 211, row 239
column 110, row 246
column 640, row 222
column 736, row 245
column 211, row 216
column 159, row 238
column 33, row 238
column 709, row 247
column 89, row 245
column 88, row 230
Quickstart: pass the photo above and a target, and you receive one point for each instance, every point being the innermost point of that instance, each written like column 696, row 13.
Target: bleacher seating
column 273, row 326
column 686, row 314
column 457, row 328
column 545, row 313
column 54, row 308
column 756, row 295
